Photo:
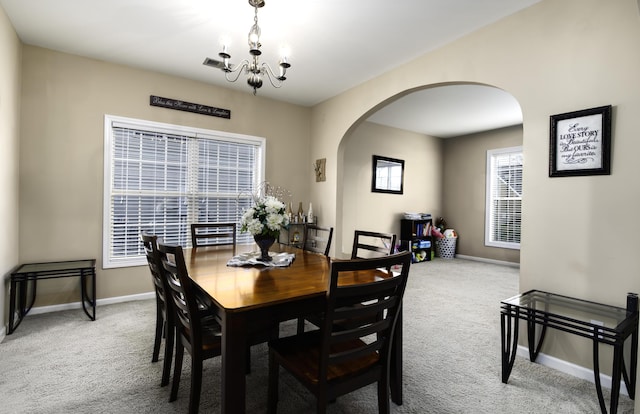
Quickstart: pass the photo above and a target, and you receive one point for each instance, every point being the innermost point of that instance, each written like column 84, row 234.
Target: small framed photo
column 580, row 143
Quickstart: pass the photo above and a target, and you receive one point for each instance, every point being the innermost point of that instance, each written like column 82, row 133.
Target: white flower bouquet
column 266, row 218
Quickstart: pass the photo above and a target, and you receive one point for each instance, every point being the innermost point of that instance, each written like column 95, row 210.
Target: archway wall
column 363, row 209
column 580, row 233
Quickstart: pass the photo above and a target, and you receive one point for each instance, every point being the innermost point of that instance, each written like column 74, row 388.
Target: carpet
column 61, row 362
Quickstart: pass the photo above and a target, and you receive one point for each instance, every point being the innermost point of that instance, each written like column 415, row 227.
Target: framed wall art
column 387, row 175
column 580, row 143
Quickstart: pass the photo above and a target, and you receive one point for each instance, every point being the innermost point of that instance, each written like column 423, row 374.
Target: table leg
column 34, row 283
column 596, row 373
column 12, row 306
column 616, row 377
column 534, row 347
column 234, row 348
column 631, row 383
column 395, row 382
column 509, row 340
column 84, row 296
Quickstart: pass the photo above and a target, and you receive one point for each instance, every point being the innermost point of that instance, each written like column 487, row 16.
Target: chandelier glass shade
column 252, row 67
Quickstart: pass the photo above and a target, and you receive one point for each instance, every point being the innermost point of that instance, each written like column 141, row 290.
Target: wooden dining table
column 248, row 299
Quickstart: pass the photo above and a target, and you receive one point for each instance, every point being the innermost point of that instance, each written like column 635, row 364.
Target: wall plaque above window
column 581, row 143
column 189, row 107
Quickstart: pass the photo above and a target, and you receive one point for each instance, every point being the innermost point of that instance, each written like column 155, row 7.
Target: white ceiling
column 334, row 44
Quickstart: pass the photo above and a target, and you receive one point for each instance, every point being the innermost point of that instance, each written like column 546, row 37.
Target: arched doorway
column 436, row 117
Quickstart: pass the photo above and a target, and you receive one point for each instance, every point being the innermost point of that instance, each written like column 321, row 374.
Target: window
column 161, row 178
column 504, row 198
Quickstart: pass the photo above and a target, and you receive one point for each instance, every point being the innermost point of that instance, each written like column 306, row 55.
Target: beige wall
column 365, row 210
column 580, row 233
column 10, row 51
column 463, row 189
column 64, row 101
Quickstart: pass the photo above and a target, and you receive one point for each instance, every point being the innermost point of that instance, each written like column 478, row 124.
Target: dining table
column 249, row 298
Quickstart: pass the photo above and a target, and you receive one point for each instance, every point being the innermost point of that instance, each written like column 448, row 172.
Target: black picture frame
column 387, row 167
column 580, row 143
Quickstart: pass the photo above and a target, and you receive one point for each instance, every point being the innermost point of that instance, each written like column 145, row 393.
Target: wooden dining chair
column 164, row 313
column 367, row 244
column 207, row 234
column 200, row 336
column 332, row 361
column 317, row 239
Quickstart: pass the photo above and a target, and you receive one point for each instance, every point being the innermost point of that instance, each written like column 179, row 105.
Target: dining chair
column 207, row 234
column 368, row 244
column 317, row 239
column 331, row 361
column 200, row 336
column 196, row 327
column 164, row 314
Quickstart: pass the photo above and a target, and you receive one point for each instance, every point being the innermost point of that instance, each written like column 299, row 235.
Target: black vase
column 264, row 242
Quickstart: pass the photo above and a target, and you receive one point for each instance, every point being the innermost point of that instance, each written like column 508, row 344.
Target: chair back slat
column 213, row 234
column 367, row 244
column 364, row 310
column 341, row 357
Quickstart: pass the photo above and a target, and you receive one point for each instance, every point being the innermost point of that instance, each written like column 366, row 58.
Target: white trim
column 569, row 368
column 3, row 334
column 99, row 302
column 485, row 260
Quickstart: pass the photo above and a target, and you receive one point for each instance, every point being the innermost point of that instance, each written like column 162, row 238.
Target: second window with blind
column 504, row 198
column 161, row 178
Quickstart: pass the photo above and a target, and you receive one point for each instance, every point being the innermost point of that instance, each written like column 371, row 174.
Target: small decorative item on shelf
column 300, row 213
column 264, row 221
column 290, row 211
column 310, row 214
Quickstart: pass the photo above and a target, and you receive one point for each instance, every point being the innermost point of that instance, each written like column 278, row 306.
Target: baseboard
column 485, row 260
column 570, row 368
column 3, row 334
column 99, row 302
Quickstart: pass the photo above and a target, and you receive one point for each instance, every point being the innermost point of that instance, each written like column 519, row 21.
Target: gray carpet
column 63, row 363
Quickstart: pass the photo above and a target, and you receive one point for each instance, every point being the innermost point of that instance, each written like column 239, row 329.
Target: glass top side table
column 24, row 283
column 598, row 322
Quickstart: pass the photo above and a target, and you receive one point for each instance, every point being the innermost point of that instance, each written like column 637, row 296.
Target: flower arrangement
column 266, row 218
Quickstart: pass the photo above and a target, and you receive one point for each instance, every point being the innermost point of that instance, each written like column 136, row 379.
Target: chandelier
column 252, row 67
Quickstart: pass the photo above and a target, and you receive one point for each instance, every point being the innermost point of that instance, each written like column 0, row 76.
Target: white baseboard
column 99, row 302
column 570, row 368
column 485, row 260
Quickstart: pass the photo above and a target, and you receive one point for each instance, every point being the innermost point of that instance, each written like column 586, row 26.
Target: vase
column 264, row 242
column 300, row 214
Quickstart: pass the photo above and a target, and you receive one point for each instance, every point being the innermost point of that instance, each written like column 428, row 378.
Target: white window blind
column 504, row 198
column 161, row 178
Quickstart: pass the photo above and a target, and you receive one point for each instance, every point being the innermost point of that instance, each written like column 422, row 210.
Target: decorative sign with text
column 581, row 143
column 189, row 107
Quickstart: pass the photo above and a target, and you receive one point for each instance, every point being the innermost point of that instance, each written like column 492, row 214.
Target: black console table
column 600, row 323
column 25, row 278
